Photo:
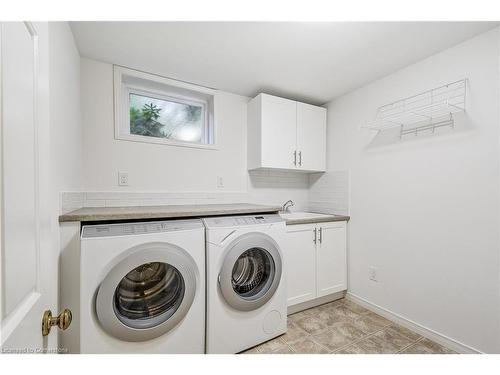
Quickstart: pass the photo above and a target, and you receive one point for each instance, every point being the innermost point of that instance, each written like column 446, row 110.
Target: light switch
column 220, row 182
column 373, row 273
column 122, row 179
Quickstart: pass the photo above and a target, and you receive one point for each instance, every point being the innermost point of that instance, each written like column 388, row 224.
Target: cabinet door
column 311, row 137
column 299, row 254
column 279, row 132
column 331, row 259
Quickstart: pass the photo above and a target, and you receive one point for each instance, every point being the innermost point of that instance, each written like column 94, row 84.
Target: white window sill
column 162, row 141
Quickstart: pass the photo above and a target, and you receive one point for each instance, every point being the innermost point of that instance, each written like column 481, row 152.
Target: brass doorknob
column 63, row 320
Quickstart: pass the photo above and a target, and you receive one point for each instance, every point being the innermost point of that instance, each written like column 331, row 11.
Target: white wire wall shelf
column 426, row 111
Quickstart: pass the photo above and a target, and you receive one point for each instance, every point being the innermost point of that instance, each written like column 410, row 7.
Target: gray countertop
column 310, row 218
column 164, row 212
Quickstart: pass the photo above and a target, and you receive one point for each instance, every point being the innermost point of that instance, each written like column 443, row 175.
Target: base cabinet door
column 300, row 257
column 331, row 258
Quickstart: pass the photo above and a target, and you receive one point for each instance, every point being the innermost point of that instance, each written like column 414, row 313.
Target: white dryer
column 142, row 287
column 246, row 285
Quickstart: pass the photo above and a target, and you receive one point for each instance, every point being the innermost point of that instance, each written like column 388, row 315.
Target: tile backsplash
column 276, row 187
column 326, row 192
column 73, row 200
column 69, row 201
column 329, row 192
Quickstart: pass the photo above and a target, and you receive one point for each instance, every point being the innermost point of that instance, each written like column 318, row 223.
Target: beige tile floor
column 343, row 327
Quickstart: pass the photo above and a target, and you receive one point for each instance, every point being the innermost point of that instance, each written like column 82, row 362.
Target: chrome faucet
column 287, row 205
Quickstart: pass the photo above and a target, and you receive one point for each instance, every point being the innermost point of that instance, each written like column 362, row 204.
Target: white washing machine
column 246, row 285
column 142, row 287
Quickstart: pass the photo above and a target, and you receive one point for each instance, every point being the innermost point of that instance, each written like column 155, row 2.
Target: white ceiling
column 312, row 62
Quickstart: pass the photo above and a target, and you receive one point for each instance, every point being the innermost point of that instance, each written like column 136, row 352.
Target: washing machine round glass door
column 251, row 271
column 147, row 292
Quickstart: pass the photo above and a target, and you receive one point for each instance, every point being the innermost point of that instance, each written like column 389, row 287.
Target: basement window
column 154, row 109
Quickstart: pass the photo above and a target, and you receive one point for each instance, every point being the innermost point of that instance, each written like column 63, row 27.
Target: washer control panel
column 124, row 229
column 235, row 221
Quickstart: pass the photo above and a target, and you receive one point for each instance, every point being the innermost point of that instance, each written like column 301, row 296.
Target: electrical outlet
column 220, row 182
column 373, row 273
column 122, row 179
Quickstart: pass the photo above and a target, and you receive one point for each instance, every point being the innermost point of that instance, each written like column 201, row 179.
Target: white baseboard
column 315, row 302
column 421, row 330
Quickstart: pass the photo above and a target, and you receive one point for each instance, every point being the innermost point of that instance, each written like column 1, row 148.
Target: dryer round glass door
column 147, row 292
column 149, row 295
column 251, row 271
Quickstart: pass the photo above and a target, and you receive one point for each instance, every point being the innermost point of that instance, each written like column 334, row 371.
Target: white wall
column 65, row 132
column 65, row 115
column 156, row 167
column 425, row 211
column 160, row 174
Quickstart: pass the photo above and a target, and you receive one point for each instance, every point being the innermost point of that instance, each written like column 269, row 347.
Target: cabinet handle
column 300, row 158
column 320, row 235
column 295, row 157
column 315, row 236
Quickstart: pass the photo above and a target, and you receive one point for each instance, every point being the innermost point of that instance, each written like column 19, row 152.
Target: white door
column 26, row 291
column 300, row 257
column 311, row 137
column 331, row 260
column 279, row 135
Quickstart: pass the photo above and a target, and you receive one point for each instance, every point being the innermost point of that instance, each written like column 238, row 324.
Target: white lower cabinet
column 331, row 258
column 300, row 258
column 316, row 260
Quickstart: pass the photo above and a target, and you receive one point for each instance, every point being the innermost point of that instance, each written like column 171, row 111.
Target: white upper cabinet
column 272, row 131
column 285, row 134
column 311, row 137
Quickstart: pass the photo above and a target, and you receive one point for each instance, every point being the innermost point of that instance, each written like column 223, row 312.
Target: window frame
column 172, row 91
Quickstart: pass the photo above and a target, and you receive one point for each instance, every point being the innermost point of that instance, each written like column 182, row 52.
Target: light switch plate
column 122, row 179
column 220, row 182
column 373, row 273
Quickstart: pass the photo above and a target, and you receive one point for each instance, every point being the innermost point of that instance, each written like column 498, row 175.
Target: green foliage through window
column 153, row 117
